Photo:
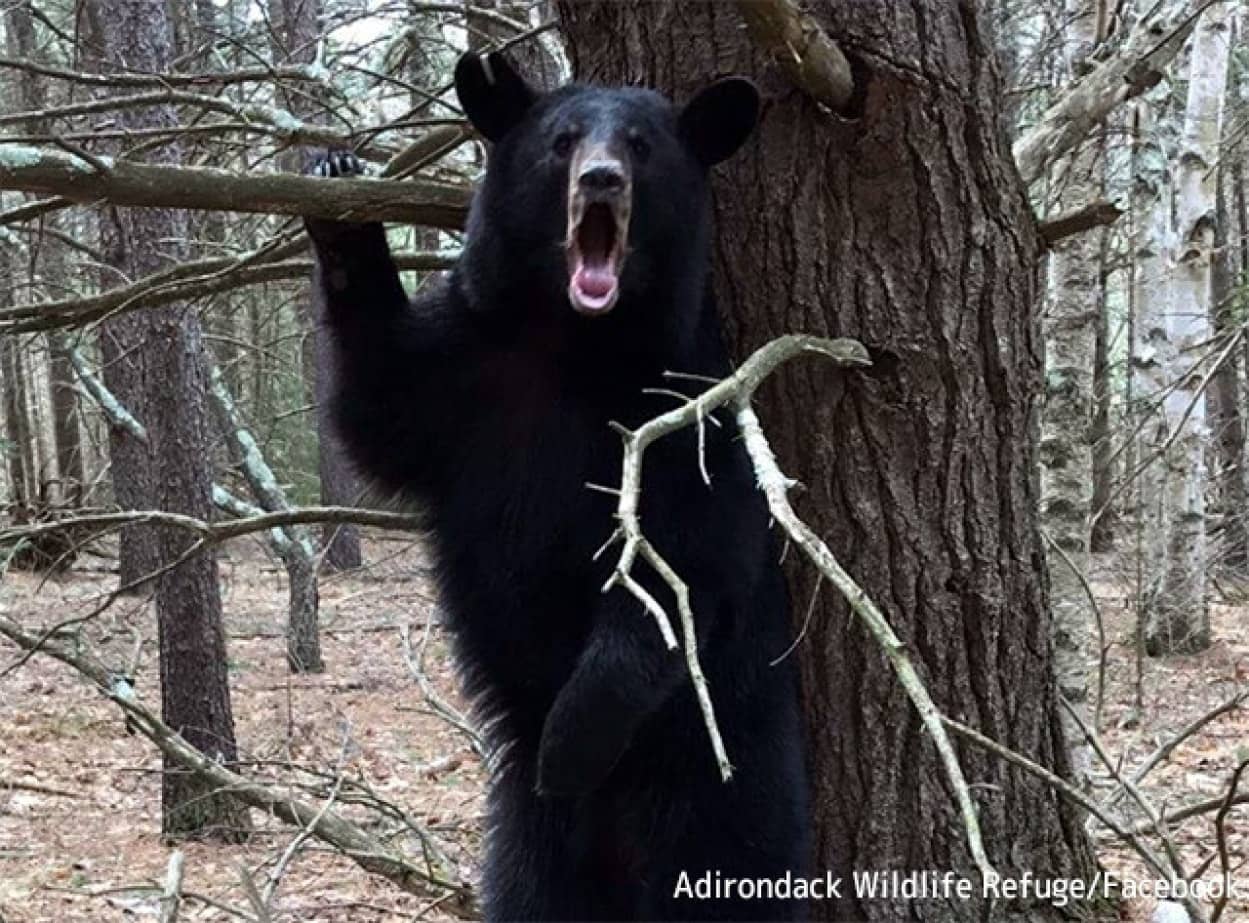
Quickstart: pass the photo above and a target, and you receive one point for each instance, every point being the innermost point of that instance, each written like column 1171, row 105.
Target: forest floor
column 80, row 797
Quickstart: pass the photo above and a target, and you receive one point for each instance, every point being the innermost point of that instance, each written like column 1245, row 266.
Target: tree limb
column 418, row 201
column 194, row 280
column 1135, row 67
column 1078, row 220
column 810, row 59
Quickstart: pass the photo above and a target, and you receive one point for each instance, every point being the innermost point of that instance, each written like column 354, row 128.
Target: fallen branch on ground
column 325, row 825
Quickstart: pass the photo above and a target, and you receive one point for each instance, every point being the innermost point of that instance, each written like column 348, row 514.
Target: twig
column 1225, row 865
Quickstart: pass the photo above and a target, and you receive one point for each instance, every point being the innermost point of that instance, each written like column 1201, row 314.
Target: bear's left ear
column 719, row 119
column 493, row 95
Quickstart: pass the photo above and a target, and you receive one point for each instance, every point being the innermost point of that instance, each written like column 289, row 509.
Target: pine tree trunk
column 168, row 349
column 1180, row 623
column 908, row 229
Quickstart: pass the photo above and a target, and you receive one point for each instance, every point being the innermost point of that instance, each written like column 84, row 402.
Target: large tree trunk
column 907, row 228
column 167, row 347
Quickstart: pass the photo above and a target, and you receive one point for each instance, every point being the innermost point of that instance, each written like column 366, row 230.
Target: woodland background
column 224, row 690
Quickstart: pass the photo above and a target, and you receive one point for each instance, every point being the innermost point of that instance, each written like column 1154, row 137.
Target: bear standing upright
column 585, row 276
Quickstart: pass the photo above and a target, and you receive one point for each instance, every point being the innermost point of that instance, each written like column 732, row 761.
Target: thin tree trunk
column 167, row 350
column 1101, row 433
column 1070, row 327
column 20, row 39
column 1180, row 623
column 22, row 490
column 1226, row 410
column 297, row 26
column 1152, row 350
column 303, row 639
column 908, row 229
column 70, row 467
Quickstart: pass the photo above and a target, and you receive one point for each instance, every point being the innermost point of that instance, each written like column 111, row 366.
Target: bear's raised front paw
column 336, row 163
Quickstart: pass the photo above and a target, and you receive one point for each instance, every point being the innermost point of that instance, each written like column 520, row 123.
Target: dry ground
column 79, row 797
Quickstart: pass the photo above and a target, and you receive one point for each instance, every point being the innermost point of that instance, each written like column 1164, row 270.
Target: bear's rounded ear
column 492, row 94
column 719, row 119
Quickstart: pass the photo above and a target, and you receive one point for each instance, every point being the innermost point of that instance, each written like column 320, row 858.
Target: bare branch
column 1138, row 65
column 806, row 54
column 183, row 283
column 242, row 75
column 424, row 202
column 744, row 381
column 1068, row 224
column 213, row 533
column 272, row 120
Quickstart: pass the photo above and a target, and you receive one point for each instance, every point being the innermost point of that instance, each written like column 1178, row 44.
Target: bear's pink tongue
column 595, row 281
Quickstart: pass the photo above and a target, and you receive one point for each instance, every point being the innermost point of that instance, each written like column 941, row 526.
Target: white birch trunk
column 1070, row 329
column 1152, row 351
column 1181, row 620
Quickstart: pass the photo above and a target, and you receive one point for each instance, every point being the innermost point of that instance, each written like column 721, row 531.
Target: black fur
column 488, row 402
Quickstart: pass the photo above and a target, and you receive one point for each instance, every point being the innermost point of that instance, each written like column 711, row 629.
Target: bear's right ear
column 719, row 119
column 493, row 95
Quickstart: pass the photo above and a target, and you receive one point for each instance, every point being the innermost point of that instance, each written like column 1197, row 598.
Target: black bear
column 488, row 400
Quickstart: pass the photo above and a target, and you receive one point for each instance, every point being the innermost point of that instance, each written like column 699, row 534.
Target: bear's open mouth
column 596, row 245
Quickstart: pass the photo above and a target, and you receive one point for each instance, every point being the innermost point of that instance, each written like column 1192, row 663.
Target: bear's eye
column 563, row 143
column 639, row 146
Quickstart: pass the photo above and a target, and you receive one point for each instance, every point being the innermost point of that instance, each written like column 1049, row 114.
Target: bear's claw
column 338, row 164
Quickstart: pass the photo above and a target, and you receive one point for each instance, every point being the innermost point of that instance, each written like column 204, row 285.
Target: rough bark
column 1181, row 621
column 168, row 348
column 907, row 229
column 296, row 24
column 1226, row 412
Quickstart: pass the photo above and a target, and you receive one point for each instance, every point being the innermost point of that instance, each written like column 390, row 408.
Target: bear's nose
column 601, row 177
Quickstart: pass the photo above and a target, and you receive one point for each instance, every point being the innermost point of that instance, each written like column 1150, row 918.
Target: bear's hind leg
column 532, row 871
